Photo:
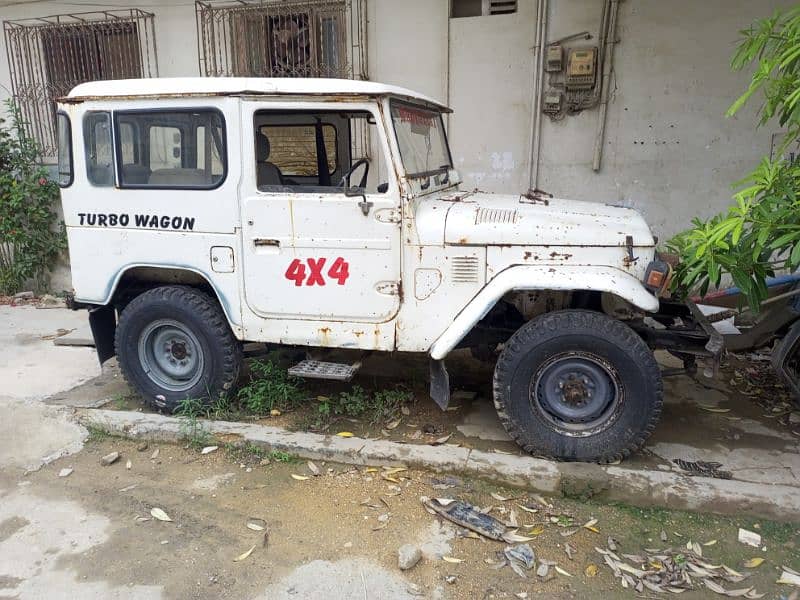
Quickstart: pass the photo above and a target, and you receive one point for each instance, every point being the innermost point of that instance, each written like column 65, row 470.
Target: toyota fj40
column 205, row 212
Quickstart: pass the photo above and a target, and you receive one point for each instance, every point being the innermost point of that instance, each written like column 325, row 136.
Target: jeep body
column 328, row 214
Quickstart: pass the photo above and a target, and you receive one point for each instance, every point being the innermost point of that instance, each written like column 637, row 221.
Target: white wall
column 669, row 150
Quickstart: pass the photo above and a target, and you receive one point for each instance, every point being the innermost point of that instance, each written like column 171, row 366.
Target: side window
column 98, row 149
column 183, row 149
column 293, row 148
column 64, row 151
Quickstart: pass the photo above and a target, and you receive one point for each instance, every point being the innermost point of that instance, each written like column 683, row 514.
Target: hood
column 483, row 219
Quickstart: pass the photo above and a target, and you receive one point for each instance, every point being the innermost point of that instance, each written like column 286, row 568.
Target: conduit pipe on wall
column 608, row 68
column 536, row 106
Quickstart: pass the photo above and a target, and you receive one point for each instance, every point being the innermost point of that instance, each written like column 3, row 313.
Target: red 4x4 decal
column 296, row 271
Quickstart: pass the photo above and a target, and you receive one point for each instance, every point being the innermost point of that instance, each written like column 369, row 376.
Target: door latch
column 365, row 205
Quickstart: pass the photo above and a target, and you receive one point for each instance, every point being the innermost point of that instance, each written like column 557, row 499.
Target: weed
column 386, row 403
column 355, row 403
column 97, row 433
column 193, row 431
column 270, row 387
column 243, row 452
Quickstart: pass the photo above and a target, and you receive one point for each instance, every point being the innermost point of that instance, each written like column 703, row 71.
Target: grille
column 48, row 56
column 495, row 215
column 465, row 269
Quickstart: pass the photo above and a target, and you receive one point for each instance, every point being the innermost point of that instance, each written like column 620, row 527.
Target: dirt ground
column 335, row 535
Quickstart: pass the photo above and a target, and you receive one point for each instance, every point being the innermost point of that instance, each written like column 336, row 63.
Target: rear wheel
column 578, row 385
column 174, row 343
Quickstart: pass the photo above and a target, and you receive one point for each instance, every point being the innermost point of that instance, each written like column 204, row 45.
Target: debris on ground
column 209, row 449
column 109, row 459
column 159, row 514
column 256, row 524
column 408, row 556
column 243, row 556
column 65, row 472
column 702, row 468
column 675, row 570
column 520, row 558
column 751, row 538
column 789, row 577
column 466, row 515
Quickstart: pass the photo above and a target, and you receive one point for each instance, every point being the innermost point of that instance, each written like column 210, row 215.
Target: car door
column 310, row 252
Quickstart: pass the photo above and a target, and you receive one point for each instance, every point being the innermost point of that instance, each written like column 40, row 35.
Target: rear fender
column 543, row 277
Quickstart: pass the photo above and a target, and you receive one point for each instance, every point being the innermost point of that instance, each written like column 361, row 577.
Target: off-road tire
column 203, row 316
column 594, row 334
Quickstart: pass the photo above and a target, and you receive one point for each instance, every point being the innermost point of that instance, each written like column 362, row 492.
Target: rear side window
column 64, row 150
column 97, row 148
column 181, row 149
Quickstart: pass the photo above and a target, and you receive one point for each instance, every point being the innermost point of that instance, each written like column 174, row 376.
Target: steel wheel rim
column 171, row 355
column 579, row 393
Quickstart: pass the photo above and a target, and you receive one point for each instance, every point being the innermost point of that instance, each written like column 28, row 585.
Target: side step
column 317, row 369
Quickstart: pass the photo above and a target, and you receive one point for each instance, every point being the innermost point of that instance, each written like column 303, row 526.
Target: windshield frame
column 440, row 114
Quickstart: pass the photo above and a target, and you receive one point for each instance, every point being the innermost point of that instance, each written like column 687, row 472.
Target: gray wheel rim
column 171, row 355
column 579, row 393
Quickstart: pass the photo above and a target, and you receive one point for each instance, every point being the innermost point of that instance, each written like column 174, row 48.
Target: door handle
column 258, row 242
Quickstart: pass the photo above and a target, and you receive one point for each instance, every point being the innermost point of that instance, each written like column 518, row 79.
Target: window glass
column 64, row 151
column 171, row 149
column 97, row 148
column 421, row 139
column 293, row 148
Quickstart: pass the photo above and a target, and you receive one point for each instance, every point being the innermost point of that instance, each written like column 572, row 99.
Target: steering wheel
column 346, row 177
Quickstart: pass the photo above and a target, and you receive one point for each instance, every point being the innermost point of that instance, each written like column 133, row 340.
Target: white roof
column 214, row 86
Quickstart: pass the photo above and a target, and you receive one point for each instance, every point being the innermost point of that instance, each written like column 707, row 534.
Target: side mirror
column 355, row 192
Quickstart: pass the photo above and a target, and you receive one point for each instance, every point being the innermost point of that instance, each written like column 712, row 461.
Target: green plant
column 193, row 431
column 386, row 403
column 270, row 387
column 31, row 237
column 246, row 451
column 761, row 232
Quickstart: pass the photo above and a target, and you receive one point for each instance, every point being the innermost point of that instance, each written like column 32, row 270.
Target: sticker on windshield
column 416, row 116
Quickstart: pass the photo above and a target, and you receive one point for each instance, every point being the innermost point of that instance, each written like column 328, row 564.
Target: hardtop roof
column 236, row 86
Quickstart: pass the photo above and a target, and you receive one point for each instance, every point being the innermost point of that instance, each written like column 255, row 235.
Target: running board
column 317, row 369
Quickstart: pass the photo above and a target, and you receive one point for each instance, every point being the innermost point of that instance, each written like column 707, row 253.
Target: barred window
column 48, row 56
column 280, row 38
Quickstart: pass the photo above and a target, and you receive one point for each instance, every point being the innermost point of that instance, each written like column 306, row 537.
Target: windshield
column 421, row 138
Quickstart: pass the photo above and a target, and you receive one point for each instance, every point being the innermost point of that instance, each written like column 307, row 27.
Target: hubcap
column 579, row 393
column 171, row 355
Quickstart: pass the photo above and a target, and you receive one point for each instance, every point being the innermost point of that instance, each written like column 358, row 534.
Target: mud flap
column 103, row 323
column 440, row 384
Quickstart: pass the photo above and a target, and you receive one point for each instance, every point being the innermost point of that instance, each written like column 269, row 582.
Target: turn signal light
column 657, row 277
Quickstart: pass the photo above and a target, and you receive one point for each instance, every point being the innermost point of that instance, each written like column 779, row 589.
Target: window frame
column 59, row 115
column 336, row 164
column 177, row 109
column 422, row 174
column 89, row 114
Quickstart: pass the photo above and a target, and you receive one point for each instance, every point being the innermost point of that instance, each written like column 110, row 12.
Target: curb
column 604, row 482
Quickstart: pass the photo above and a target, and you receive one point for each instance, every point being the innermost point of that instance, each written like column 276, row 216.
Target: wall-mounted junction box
column 555, row 58
column 552, row 102
column 581, row 68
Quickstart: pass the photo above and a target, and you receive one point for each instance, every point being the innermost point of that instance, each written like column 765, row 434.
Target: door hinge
column 388, row 288
column 388, row 215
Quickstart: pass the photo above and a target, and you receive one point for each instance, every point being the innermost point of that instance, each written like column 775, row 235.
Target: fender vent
column 495, row 215
column 465, row 269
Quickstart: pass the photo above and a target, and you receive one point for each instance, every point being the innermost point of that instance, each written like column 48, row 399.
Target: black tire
column 216, row 358
column 527, row 384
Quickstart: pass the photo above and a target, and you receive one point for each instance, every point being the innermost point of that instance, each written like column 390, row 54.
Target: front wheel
column 174, row 343
column 578, row 385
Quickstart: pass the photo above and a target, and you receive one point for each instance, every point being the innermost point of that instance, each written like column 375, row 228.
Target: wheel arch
column 561, row 278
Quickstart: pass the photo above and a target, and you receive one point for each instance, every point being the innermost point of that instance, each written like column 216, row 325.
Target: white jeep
column 202, row 213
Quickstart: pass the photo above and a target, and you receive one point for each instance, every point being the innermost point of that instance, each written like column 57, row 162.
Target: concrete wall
column 668, row 151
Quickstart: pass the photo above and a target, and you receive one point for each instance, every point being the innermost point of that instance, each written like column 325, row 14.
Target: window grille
column 48, row 56
column 278, row 38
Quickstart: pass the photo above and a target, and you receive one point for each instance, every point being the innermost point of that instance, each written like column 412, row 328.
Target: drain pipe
column 608, row 68
column 536, row 106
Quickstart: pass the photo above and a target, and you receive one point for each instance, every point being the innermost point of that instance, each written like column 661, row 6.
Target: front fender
column 543, row 277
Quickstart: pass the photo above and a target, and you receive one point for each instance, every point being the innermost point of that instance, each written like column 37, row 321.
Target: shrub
column 31, row 238
column 270, row 387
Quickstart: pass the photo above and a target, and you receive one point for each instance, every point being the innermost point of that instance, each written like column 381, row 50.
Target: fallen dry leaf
column 561, row 571
column 591, row 570
column 753, row 562
column 241, row 557
column 452, row 559
column 345, row 434
column 159, row 514
column 498, row 497
column 299, row 477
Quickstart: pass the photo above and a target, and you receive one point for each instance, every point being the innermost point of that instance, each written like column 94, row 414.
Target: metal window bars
column 48, row 56
column 282, row 38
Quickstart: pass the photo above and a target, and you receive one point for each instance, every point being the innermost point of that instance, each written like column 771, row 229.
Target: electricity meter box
column 581, row 68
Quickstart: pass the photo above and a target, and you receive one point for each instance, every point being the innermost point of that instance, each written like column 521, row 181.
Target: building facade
column 626, row 105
